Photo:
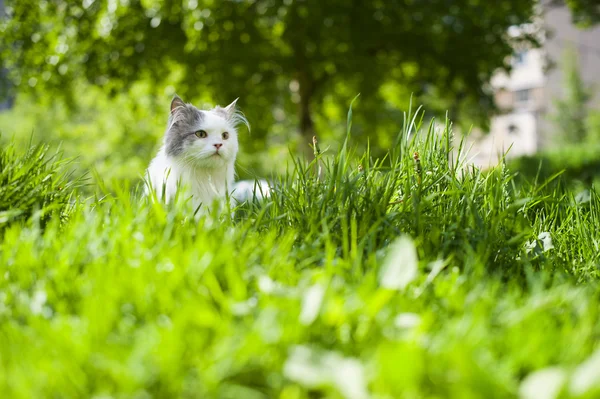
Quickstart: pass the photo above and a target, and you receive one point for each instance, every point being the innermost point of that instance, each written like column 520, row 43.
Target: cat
column 198, row 154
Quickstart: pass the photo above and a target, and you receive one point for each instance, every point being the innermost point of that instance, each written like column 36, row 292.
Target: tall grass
column 34, row 184
column 414, row 275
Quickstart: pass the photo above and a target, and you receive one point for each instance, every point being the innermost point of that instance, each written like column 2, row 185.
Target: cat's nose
column 219, row 145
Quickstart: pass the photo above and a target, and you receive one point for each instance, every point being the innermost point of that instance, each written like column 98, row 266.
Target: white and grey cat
column 198, row 154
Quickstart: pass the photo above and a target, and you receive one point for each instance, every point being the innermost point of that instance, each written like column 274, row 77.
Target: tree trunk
column 307, row 126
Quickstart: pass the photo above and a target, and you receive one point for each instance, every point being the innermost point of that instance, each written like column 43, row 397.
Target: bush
column 576, row 166
column 114, row 139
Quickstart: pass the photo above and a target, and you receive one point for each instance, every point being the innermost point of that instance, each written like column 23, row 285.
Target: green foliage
column 34, row 184
column 406, row 276
column 576, row 163
column 593, row 126
column 585, row 12
column 280, row 56
column 115, row 138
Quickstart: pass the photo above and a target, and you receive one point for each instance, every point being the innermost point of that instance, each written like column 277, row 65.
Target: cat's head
column 206, row 138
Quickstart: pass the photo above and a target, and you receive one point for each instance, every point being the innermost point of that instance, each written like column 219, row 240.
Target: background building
column 526, row 96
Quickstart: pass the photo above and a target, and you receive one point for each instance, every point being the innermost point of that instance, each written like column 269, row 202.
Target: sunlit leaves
column 321, row 44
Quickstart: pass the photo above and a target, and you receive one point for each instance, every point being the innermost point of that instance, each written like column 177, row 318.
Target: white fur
column 199, row 171
column 246, row 190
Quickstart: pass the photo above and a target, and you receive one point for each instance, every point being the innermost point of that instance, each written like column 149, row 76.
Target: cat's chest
column 200, row 185
column 204, row 186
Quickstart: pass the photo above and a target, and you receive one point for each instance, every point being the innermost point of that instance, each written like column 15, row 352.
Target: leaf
column 400, row 265
column 344, row 151
column 317, row 369
column 546, row 240
column 543, row 384
column 583, row 197
column 586, row 376
column 407, row 320
column 311, row 303
column 349, row 123
column 303, row 366
column 542, row 244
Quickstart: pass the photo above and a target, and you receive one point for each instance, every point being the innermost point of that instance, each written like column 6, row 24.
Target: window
column 522, row 97
column 520, row 58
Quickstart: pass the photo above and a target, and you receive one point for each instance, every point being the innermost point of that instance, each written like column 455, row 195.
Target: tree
column 260, row 48
column 585, row 12
column 572, row 111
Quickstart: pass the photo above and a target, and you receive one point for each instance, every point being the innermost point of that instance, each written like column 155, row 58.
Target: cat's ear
column 176, row 103
column 231, row 108
column 234, row 115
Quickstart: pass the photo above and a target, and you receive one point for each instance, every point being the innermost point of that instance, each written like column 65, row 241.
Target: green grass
column 34, row 185
column 578, row 165
column 380, row 278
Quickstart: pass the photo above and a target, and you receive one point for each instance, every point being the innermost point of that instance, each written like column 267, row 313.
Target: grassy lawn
column 403, row 277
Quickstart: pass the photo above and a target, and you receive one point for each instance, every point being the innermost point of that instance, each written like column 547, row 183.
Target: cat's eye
column 225, row 135
column 201, row 133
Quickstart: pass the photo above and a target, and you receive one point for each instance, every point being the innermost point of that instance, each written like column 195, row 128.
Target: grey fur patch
column 182, row 125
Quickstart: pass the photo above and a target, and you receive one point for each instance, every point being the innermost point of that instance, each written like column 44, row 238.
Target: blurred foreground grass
column 407, row 276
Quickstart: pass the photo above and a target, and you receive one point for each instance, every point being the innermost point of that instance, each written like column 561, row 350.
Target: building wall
column 508, row 133
column 527, row 72
column 564, row 36
column 526, row 98
column 520, row 99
